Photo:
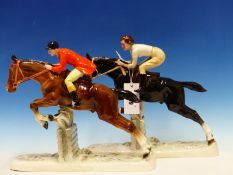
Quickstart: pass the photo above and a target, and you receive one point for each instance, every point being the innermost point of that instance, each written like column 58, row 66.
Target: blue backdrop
column 195, row 35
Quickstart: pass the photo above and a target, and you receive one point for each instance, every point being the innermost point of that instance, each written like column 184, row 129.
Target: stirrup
column 75, row 99
column 76, row 103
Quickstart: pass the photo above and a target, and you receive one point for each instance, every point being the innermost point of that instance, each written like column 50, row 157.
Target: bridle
column 18, row 71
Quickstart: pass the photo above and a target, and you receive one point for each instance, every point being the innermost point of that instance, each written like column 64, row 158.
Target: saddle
column 85, row 79
column 83, row 86
column 149, row 81
column 151, row 75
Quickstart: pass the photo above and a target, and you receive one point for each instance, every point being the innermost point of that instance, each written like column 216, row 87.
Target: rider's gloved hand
column 119, row 62
column 47, row 66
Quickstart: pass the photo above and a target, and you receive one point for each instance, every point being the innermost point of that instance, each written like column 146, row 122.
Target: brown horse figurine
column 94, row 97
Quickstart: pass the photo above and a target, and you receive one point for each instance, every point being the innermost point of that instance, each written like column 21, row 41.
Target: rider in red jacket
column 66, row 56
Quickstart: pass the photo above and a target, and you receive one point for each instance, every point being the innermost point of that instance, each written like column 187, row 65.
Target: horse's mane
column 111, row 61
column 63, row 74
column 35, row 61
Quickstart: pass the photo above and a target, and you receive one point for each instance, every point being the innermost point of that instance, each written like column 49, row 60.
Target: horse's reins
column 18, row 69
column 111, row 70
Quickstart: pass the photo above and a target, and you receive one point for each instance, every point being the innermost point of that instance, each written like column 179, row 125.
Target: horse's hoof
column 57, row 114
column 210, row 142
column 50, row 117
column 122, row 110
column 147, row 153
column 46, row 125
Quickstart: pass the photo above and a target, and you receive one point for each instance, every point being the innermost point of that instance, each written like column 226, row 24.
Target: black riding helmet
column 52, row 45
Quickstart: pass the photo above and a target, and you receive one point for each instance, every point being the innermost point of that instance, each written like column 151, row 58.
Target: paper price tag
column 130, row 107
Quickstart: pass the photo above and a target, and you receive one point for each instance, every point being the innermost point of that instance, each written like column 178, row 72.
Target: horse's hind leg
column 193, row 115
column 128, row 126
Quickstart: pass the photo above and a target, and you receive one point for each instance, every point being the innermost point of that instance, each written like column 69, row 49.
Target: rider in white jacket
column 155, row 54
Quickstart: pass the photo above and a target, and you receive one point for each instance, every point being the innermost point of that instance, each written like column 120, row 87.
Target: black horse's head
column 104, row 64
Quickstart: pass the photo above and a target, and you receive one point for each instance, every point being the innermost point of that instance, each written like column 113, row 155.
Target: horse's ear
column 88, row 56
column 13, row 57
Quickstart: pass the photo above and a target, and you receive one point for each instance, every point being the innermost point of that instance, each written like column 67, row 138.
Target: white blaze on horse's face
column 52, row 52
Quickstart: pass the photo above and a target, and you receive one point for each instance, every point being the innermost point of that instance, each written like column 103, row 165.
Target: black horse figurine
column 158, row 89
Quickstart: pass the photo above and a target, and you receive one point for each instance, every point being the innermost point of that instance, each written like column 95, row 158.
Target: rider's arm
column 60, row 66
column 130, row 65
column 133, row 64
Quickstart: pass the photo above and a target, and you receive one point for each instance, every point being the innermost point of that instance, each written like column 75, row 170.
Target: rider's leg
column 151, row 63
column 73, row 76
column 157, row 58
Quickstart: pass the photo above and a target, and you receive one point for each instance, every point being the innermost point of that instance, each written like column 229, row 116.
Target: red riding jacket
column 67, row 56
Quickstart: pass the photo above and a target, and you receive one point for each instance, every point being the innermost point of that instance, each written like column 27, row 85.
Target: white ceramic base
column 185, row 149
column 114, row 157
column 104, row 162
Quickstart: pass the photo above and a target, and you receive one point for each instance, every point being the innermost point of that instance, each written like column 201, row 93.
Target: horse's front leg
column 42, row 102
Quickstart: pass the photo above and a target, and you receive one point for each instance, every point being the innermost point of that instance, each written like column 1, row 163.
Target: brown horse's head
column 14, row 75
column 22, row 70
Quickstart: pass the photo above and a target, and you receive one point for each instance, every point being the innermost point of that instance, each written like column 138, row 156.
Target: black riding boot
column 143, row 83
column 75, row 98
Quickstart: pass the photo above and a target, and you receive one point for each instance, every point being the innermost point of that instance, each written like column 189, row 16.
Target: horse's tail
column 125, row 94
column 193, row 86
